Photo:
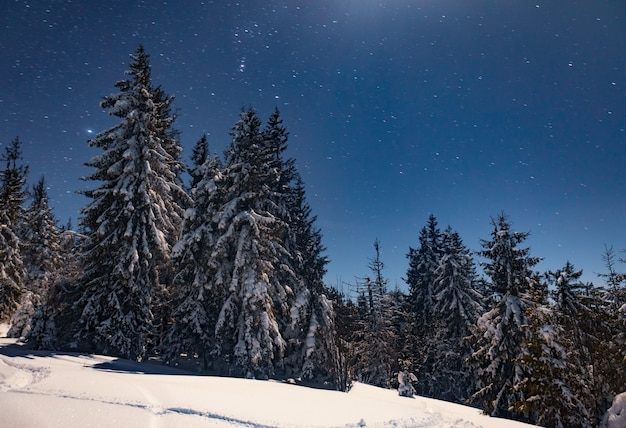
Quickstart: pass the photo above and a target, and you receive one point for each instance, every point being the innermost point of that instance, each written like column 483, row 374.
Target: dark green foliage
column 41, row 255
column 12, row 195
column 500, row 337
column 420, row 276
column 374, row 345
column 554, row 390
column 132, row 221
column 457, row 304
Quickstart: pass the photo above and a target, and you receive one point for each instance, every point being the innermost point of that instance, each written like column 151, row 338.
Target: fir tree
column 420, row 276
column 197, row 301
column 614, row 281
column 313, row 344
column 199, row 156
column 54, row 319
column 457, row 304
column 548, row 396
column 41, row 255
column 12, row 195
column 133, row 219
column 374, row 348
column 559, row 388
column 500, row 335
column 247, row 255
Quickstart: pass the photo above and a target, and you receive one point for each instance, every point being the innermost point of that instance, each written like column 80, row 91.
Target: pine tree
column 500, row 336
column 604, row 326
column 313, row 344
column 133, row 219
column 457, row 305
column 420, row 276
column 549, row 399
column 199, row 156
column 247, row 255
column 41, row 255
column 54, row 319
column 374, row 348
column 12, row 195
column 615, row 282
column 558, row 388
column 197, row 301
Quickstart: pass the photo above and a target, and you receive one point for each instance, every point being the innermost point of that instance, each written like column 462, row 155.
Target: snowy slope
column 46, row 389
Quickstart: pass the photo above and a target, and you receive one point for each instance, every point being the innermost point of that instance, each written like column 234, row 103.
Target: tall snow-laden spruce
column 249, row 295
column 374, row 348
column 312, row 352
column 12, row 196
column 500, row 337
column 457, row 304
column 558, row 386
column 196, row 299
column 133, row 220
column 41, row 254
column 420, row 277
column 249, row 259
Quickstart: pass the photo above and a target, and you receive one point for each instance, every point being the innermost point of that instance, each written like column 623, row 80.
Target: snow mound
column 48, row 389
column 615, row 417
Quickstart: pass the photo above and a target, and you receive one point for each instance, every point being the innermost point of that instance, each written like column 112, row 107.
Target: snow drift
column 58, row 389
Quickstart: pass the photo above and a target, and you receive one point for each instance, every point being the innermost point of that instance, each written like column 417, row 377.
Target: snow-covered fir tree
column 196, row 299
column 603, row 328
column 500, row 336
column 12, row 196
column 133, row 220
column 312, row 345
column 548, row 398
column 54, row 319
column 249, row 293
column 420, row 276
column 41, row 255
column 374, row 353
column 312, row 342
column 457, row 304
column 200, row 154
column 557, row 388
column 247, row 256
column 405, row 381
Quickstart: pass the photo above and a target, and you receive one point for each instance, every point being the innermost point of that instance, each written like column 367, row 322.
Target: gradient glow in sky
column 396, row 109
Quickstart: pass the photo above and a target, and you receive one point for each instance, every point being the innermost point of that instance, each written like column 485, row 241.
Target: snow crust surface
column 57, row 389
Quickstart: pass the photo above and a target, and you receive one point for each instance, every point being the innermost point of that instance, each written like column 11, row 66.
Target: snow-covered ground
column 58, row 389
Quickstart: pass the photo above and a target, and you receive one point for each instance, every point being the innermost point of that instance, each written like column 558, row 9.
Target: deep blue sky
column 396, row 109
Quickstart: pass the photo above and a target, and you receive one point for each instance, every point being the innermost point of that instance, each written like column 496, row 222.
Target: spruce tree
column 54, row 319
column 550, row 394
column 457, row 304
column 41, row 255
column 12, row 196
column 312, row 352
column 196, row 299
column 249, row 259
column 133, row 219
column 420, row 277
column 374, row 348
column 500, row 336
column 199, row 156
column 558, row 389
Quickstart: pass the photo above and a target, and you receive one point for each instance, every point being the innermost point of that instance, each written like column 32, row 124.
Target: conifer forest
column 216, row 265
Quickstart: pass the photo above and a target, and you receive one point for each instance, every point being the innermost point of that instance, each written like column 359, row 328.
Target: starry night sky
column 396, row 108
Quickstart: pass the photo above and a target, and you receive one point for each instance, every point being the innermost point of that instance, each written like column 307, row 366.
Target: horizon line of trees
column 224, row 274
